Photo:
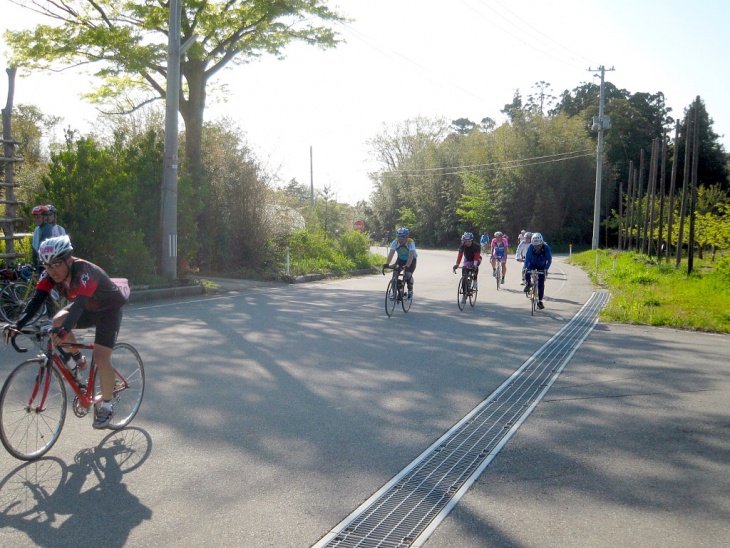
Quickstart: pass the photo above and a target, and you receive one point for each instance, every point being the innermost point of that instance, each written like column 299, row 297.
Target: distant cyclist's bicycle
column 532, row 293
column 396, row 291
column 466, row 288
column 33, row 398
column 497, row 272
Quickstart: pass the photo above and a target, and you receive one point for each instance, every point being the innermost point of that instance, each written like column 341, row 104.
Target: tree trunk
column 192, row 111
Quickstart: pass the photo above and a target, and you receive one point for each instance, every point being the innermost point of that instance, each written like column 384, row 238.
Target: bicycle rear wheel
column 391, row 297
column 128, row 384
column 32, row 410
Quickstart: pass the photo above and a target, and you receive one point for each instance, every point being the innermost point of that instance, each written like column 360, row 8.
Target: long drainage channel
column 405, row 511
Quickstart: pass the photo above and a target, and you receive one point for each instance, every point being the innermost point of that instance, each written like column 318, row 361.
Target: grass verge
column 646, row 293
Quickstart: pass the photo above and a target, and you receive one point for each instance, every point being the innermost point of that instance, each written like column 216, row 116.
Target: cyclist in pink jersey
column 500, row 248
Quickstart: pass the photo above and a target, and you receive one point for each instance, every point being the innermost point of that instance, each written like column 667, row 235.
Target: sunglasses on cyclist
column 53, row 266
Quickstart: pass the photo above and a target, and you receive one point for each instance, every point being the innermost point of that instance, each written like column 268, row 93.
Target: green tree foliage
column 235, row 204
column 127, row 42
column 93, row 187
column 713, row 164
column 419, row 174
column 29, row 126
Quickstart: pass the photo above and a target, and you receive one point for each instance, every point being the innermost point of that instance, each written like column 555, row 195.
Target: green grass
column 646, row 293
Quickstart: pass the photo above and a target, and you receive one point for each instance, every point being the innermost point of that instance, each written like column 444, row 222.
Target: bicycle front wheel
column 472, row 293
column 461, row 293
column 391, row 297
column 32, row 410
column 533, row 299
column 405, row 301
column 128, row 384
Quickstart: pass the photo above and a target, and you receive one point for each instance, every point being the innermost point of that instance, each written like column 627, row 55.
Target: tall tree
column 128, row 40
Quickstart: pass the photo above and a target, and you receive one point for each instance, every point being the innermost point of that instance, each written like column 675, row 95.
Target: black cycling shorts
column 107, row 323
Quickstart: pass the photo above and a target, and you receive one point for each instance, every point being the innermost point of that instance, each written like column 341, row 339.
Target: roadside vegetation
column 316, row 253
column 648, row 293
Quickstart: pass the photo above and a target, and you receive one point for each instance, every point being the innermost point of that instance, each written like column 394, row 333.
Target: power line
column 425, row 72
column 493, row 166
column 559, row 57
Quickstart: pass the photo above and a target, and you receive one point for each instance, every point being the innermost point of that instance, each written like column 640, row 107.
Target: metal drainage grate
column 405, row 511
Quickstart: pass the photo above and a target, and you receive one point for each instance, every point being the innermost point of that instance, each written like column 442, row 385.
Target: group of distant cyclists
column 532, row 250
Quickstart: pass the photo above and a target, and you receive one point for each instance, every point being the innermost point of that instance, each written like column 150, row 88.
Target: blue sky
column 437, row 58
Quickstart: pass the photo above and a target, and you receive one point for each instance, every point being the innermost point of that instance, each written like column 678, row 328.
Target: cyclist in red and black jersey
column 95, row 302
column 471, row 251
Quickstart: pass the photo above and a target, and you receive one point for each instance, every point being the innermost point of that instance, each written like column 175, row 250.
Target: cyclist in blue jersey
column 538, row 257
column 406, row 250
column 484, row 241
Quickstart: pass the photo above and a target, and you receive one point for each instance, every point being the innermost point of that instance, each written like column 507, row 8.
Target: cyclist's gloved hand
column 386, row 265
column 455, row 267
column 9, row 332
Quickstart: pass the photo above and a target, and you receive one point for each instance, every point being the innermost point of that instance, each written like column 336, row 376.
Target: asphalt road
column 273, row 411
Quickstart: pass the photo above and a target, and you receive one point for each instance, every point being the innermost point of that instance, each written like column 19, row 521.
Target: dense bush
column 315, row 253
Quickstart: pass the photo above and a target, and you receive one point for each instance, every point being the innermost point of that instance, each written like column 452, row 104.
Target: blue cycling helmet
column 402, row 232
column 467, row 236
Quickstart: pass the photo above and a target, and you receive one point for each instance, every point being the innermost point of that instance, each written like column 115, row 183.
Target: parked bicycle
column 16, row 295
column 466, row 288
column 396, row 291
column 33, row 398
column 532, row 294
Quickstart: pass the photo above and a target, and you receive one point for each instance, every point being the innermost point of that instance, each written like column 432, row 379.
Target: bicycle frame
column 50, row 358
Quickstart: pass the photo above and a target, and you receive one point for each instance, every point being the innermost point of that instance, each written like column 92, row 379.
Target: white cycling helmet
column 537, row 239
column 498, row 234
column 55, row 249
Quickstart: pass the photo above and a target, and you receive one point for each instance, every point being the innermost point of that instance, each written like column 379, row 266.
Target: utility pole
column 600, row 123
column 168, row 203
column 311, row 180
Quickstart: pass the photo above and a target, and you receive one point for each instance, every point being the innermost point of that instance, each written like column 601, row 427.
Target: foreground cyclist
column 406, row 250
column 95, row 302
column 471, row 252
column 538, row 257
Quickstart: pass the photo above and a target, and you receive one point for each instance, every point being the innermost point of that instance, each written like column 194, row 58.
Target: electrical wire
column 493, row 166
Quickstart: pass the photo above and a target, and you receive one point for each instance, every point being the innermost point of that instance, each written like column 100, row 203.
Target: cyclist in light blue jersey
column 406, row 250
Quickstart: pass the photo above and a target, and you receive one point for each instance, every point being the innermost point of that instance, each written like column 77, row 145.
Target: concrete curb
column 165, row 293
column 316, row 277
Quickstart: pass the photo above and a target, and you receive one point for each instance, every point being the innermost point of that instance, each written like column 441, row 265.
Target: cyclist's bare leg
column 504, row 268
column 103, row 360
column 58, row 320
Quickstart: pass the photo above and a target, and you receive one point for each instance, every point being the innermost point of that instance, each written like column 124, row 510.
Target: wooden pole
column 662, row 177
column 685, row 182
column 640, row 216
column 629, row 206
column 672, row 188
column 651, row 196
column 693, row 195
